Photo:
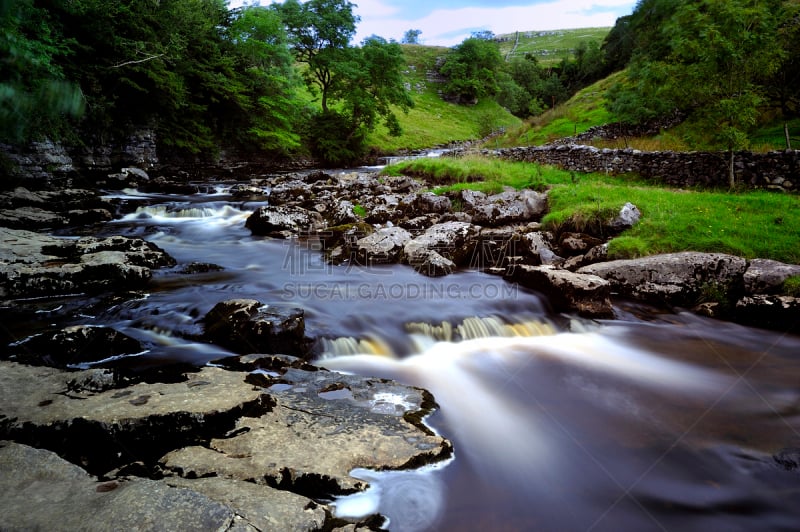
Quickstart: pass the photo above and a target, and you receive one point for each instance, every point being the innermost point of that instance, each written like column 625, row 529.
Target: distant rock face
column 249, row 326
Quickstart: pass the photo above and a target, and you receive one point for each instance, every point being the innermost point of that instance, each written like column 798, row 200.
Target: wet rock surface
column 254, row 446
column 249, row 326
column 34, row 264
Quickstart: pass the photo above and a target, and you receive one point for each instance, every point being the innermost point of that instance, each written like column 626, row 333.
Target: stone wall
column 777, row 170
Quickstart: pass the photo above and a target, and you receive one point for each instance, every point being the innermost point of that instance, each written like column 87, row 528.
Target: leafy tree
column 783, row 87
column 265, row 66
column 411, row 37
column 320, row 33
column 357, row 85
column 471, row 69
column 707, row 59
column 35, row 96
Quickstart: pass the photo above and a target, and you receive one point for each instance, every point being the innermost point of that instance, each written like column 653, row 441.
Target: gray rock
column 40, row 491
column 72, row 346
column 765, row 276
column 248, row 326
column 675, row 279
column 384, row 246
column 324, row 425
column 259, row 506
column 428, row 203
column 510, row 206
column 343, row 214
column 770, row 311
column 588, row 295
column 32, row 264
column 283, row 220
column 40, row 407
column 629, row 215
column 32, row 218
column 432, row 264
column 453, row 241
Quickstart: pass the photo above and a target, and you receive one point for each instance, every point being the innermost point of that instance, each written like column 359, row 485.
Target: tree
column 471, row 70
column 320, row 32
column 357, row 85
column 707, row 58
column 35, row 96
column 720, row 49
column 265, row 67
column 411, row 37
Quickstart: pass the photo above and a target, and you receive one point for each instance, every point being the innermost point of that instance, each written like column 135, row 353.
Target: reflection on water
column 557, row 424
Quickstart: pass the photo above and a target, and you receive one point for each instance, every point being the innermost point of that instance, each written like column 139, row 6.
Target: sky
column 448, row 22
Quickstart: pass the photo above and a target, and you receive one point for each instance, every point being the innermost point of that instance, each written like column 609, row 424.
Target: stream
column 651, row 421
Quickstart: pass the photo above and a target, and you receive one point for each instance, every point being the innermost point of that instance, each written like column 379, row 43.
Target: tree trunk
column 786, row 134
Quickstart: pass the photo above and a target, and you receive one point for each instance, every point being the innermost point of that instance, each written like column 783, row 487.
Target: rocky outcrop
column 673, row 280
column 384, row 246
column 442, row 248
column 32, row 264
column 35, row 210
column 283, row 221
column 249, row 326
column 239, row 448
column 509, row 207
column 298, row 445
column 588, row 295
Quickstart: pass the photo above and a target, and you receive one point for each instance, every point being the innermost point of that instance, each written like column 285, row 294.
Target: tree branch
column 136, row 61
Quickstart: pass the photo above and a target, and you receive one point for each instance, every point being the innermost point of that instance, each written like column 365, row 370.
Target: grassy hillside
column 548, row 46
column 584, row 110
column 433, row 121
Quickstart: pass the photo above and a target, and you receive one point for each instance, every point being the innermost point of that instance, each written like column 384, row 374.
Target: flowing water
column 647, row 422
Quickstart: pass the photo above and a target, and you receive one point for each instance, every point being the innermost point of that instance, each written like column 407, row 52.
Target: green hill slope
column 433, row 121
column 548, row 46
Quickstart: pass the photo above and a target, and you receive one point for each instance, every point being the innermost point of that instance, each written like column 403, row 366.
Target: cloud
column 447, row 27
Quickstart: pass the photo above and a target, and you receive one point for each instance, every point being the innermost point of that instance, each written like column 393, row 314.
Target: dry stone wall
column 777, row 170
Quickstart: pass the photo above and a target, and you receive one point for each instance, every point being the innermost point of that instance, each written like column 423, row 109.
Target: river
column 650, row 421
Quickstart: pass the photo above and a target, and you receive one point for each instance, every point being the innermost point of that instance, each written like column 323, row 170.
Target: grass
column 433, row 121
column 581, row 112
column 755, row 224
column 549, row 47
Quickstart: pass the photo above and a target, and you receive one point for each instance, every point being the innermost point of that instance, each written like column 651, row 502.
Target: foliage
column 365, row 83
column 35, row 98
column 743, row 224
column 471, row 70
column 411, row 37
column 549, row 48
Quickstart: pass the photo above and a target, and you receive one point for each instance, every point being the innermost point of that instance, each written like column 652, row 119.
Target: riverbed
column 650, row 421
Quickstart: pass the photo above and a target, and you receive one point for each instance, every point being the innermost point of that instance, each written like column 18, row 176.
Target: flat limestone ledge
column 41, row 396
column 323, row 426
column 40, row 491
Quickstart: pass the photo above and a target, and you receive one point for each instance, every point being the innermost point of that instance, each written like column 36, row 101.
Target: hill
column 433, row 121
column 548, row 46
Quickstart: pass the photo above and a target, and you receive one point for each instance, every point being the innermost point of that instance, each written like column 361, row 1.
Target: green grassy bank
column 755, row 224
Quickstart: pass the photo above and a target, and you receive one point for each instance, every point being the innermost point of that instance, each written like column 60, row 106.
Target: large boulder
column 767, row 276
column 73, row 346
column 508, row 207
column 674, row 279
column 42, row 407
column 283, row 221
column 384, row 246
column 455, row 242
column 248, row 326
column 770, row 311
column 588, row 295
